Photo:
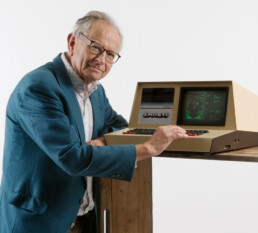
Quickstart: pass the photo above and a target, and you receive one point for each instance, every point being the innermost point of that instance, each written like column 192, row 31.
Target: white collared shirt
column 82, row 94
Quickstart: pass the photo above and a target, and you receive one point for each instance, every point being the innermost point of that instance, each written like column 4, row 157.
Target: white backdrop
column 165, row 40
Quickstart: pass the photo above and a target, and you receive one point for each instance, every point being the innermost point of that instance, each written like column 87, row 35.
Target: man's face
column 88, row 66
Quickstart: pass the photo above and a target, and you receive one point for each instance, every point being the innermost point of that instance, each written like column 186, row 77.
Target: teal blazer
column 45, row 155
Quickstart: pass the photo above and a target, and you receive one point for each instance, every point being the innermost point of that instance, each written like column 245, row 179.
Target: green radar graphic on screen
column 203, row 106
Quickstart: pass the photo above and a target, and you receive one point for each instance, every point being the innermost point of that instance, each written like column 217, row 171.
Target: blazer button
column 72, row 225
column 114, row 176
column 118, row 176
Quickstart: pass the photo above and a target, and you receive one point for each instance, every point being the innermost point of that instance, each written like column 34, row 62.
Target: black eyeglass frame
column 102, row 50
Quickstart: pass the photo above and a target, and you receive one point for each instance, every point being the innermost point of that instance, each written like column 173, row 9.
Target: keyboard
column 152, row 131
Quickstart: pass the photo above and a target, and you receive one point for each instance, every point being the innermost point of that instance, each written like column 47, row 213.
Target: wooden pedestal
column 126, row 207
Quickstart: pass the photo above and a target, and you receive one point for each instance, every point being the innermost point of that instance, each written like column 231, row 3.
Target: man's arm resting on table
column 159, row 141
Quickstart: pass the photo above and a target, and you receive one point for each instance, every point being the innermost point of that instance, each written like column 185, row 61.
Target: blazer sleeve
column 41, row 114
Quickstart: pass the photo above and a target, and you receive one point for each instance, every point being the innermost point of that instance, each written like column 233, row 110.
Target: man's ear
column 71, row 43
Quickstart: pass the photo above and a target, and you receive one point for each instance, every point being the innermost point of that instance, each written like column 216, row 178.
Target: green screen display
column 203, row 106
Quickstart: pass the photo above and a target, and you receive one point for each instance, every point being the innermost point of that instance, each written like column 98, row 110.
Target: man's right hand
column 159, row 141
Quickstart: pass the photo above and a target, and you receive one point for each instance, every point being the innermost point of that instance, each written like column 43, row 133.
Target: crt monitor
column 202, row 106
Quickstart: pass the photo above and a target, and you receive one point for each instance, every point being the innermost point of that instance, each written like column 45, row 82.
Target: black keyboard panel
column 151, row 131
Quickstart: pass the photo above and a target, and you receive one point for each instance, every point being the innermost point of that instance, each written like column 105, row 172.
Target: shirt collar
column 77, row 82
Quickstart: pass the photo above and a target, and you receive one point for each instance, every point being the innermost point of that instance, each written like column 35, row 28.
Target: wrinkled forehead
column 106, row 34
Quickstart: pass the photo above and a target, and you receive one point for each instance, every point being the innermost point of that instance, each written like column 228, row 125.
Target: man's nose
column 101, row 57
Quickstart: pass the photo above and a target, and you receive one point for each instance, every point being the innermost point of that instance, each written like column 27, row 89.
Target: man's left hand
column 97, row 142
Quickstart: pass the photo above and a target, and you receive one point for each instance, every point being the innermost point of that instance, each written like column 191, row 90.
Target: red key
column 192, row 134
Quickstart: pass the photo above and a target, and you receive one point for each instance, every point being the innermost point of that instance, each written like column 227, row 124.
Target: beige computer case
column 240, row 129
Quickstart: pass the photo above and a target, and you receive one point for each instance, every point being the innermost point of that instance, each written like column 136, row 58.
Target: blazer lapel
column 66, row 85
column 95, row 111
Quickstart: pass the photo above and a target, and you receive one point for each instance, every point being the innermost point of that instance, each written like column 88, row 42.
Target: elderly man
column 55, row 120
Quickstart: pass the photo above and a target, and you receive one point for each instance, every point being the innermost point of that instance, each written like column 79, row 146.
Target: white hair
column 84, row 23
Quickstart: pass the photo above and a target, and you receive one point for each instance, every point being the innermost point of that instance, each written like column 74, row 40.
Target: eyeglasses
column 96, row 48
